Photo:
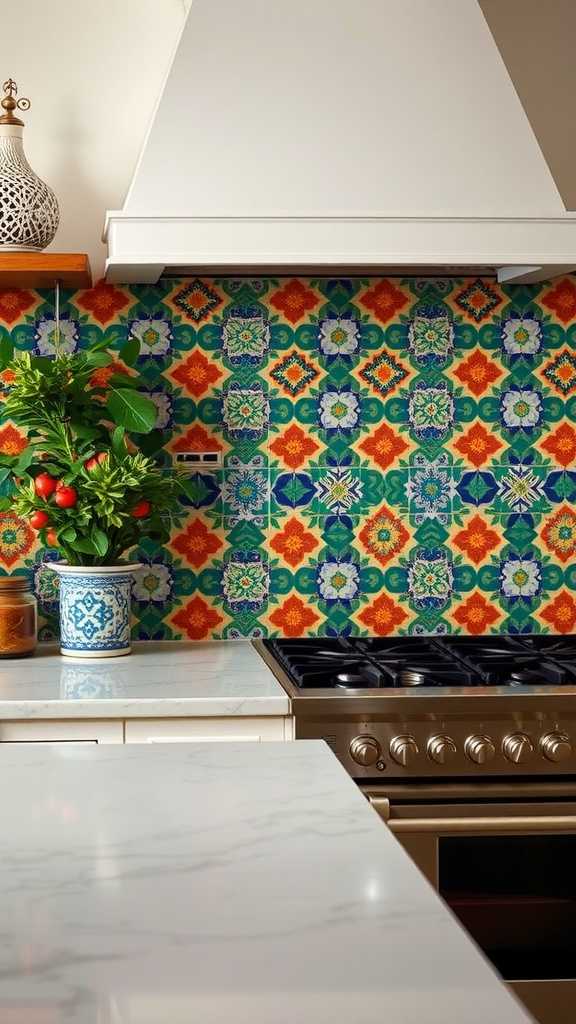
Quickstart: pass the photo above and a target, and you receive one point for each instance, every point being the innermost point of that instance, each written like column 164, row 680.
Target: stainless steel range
column 466, row 747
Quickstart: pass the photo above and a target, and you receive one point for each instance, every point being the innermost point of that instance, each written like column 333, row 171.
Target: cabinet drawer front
column 204, row 730
column 62, row 732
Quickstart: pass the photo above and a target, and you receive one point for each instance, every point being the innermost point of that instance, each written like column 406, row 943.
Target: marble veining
column 247, row 883
column 158, row 679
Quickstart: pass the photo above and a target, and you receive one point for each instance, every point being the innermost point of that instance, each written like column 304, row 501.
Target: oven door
column 504, row 860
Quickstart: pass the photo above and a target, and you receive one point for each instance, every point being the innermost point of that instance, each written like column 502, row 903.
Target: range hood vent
column 369, row 137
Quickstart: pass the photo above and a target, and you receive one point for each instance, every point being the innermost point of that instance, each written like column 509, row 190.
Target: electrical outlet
column 198, row 460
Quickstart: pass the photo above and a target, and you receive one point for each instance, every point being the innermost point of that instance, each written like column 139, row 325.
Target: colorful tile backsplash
column 399, row 454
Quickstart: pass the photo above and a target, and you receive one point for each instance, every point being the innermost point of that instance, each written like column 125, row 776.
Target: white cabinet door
column 205, row 730
column 48, row 731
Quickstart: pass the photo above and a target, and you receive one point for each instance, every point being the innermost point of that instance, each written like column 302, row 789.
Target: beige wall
column 93, row 70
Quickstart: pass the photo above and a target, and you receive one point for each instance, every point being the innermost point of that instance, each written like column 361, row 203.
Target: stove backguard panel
column 398, row 454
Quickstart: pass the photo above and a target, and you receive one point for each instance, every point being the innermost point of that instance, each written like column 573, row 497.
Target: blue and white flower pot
column 95, row 609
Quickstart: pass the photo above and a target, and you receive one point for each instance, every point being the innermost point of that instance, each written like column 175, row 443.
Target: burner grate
column 366, row 663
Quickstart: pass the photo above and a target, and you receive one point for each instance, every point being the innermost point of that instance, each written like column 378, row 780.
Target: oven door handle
column 544, row 823
column 500, row 825
column 381, row 805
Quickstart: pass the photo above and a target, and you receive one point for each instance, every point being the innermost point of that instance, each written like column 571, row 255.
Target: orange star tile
column 561, row 445
column 384, row 300
column 476, row 615
column 477, row 539
column 294, row 447
column 294, row 300
column 560, row 613
column 197, row 439
column 197, row 373
column 478, row 445
column 294, row 542
column 293, row 618
column 561, row 299
column 103, row 301
column 383, row 616
column 478, row 372
column 197, row 544
column 197, row 619
column 14, row 302
column 384, row 446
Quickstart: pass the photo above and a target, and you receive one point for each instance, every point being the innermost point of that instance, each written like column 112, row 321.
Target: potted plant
column 83, row 484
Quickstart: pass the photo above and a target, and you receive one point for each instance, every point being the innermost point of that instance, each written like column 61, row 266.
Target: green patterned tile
column 338, row 491
column 421, row 435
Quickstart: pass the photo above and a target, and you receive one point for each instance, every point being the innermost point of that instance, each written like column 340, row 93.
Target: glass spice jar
column 18, row 617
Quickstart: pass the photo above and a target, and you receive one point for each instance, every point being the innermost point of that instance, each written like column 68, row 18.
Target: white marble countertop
column 157, row 679
column 238, row 882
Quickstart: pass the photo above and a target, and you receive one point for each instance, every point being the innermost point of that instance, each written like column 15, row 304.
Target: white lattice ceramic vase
column 29, row 214
column 94, row 609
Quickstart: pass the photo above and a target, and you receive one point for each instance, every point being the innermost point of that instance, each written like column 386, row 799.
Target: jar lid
column 14, row 584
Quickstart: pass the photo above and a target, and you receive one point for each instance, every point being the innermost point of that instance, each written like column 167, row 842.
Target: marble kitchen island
column 221, row 883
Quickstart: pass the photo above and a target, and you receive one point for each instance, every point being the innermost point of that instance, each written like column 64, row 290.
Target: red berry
column 66, row 496
column 95, row 460
column 39, row 519
column 141, row 510
column 51, row 539
column 44, row 485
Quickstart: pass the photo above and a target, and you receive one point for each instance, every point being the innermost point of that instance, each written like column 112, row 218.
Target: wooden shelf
column 43, row 269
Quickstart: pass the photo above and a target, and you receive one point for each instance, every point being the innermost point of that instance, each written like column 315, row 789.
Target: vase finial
column 10, row 103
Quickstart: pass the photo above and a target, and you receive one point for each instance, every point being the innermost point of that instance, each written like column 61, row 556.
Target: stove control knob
column 479, row 749
column 403, row 750
column 365, row 750
column 441, row 749
column 517, row 748
column 556, row 746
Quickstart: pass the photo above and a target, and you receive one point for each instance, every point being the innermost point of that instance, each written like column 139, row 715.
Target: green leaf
column 85, row 432
column 98, row 359
column 85, row 545
column 130, row 351
column 97, row 346
column 25, row 460
column 6, row 352
column 4, row 474
column 189, row 487
column 100, row 541
column 68, row 535
column 122, row 380
column 119, row 442
column 132, row 410
column 42, row 363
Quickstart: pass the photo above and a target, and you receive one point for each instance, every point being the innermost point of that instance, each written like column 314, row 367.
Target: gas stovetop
column 358, row 664
column 435, row 706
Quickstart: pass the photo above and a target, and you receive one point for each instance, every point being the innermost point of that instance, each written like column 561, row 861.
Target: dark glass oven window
column 516, row 895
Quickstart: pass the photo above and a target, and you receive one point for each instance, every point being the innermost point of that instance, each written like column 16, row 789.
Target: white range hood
column 321, row 133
